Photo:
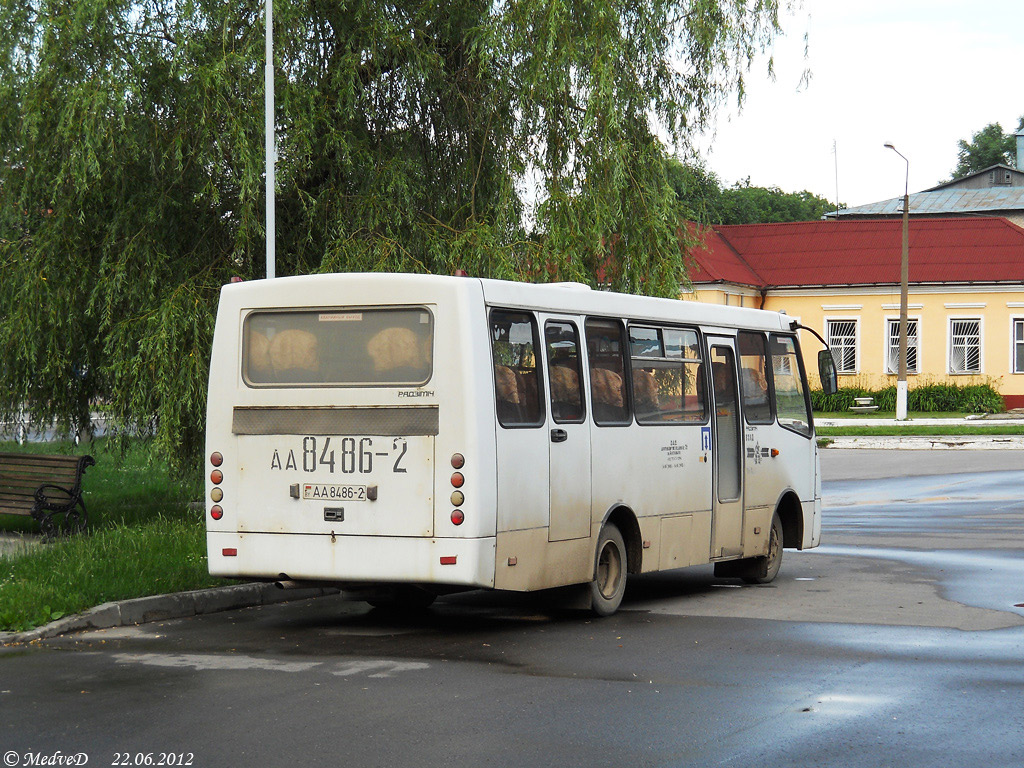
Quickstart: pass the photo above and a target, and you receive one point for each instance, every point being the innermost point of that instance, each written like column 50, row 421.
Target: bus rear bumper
column 352, row 559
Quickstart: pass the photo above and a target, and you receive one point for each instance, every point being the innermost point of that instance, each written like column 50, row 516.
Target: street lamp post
column 901, row 379
column 269, row 147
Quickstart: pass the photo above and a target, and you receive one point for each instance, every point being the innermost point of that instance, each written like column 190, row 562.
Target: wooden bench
column 44, row 487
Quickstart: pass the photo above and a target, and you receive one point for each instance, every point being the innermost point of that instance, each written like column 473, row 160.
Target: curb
column 178, row 605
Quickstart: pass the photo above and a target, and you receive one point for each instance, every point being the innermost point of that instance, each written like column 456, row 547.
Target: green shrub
column 927, row 398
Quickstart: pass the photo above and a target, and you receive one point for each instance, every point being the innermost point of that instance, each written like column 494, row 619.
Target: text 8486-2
column 355, row 456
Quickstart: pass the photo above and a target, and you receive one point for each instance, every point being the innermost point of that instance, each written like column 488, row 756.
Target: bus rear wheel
column 610, row 568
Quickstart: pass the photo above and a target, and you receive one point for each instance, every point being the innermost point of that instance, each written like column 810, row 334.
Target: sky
column 919, row 74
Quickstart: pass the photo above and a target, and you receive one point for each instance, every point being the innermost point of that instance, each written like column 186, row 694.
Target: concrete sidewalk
column 930, row 442
column 18, row 543
column 927, row 443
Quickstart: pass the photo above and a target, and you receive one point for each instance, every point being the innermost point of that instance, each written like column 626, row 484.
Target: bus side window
column 564, row 372
column 608, row 391
column 791, row 403
column 757, row 406
column 516, row 377
column 666, row 366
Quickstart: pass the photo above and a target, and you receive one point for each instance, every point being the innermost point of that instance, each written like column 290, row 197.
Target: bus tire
column 610, row 569
column 763, row 570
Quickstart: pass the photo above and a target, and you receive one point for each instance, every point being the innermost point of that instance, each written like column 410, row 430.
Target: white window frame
column 889, row 320
column 1015, row 322
column 950, row 320
column 856, row 343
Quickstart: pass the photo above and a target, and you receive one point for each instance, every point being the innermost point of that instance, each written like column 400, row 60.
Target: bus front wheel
column 763, row 570
column 610, row 569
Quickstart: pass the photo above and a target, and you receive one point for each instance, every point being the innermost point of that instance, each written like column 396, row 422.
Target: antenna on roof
column 835, row 154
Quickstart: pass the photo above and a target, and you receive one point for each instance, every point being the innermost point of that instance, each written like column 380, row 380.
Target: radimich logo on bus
column 415, row 393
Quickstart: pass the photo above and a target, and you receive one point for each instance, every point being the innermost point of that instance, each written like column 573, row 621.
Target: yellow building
column 966, row 297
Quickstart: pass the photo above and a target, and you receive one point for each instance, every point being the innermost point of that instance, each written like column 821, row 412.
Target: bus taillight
column 216, row 477
column 457, row 479
column 458, row 461
column 458, row 517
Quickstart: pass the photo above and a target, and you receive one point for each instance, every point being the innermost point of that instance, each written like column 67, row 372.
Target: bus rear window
column 368, row 347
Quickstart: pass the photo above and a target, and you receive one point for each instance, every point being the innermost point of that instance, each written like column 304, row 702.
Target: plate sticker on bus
column 334, row 492
column 344, row 456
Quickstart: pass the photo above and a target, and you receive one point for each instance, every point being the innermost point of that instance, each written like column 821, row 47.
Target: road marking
column 384, row 668
column 375, row 668
column 211, row 661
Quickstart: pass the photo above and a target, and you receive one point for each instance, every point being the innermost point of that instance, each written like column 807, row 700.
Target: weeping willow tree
column 522, row 139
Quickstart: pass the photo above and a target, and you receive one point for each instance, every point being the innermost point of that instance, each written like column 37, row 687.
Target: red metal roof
column 860, row 252
column 713, row 260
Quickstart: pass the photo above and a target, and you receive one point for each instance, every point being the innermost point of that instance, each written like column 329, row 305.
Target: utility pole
column 901, row 379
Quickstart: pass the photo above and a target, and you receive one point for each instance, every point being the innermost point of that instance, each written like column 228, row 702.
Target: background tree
column 512, row 139
column 989, row 146
column 700, row 193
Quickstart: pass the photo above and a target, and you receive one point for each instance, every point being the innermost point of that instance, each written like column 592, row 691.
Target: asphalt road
column 897, row 643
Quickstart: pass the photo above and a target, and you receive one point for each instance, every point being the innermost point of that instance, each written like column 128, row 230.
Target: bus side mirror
column 827, row 372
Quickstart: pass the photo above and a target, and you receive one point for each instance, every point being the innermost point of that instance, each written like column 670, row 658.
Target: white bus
column 412, row 435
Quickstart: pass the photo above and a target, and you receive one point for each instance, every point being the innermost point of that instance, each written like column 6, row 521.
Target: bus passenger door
column 727, row 449
column 568, row 433
column 763, row 480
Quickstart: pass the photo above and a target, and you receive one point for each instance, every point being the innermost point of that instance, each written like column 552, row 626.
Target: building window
column 842, row 338
column 965, row 346
column 892, row 356
column 1018, row 345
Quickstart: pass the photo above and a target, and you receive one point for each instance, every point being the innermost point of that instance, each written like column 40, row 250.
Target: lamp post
column 269, row 147
column 901, row 379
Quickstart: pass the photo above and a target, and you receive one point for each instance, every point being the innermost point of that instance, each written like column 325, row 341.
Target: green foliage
column 515, row 139
column 989, row 146
column 700, row 193
column 928, row 398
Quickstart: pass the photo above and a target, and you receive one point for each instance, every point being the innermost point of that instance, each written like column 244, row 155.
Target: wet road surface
column 898, row 643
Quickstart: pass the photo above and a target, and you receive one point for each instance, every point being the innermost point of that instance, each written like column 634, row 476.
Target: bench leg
column 47, row 525
column 75, row 519
column 52, row 525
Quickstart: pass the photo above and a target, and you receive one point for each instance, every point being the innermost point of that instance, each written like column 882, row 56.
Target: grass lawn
column 909, row 430
column 143, row 538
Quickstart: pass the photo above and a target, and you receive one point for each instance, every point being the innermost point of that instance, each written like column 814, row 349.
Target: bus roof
column 573, row 298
